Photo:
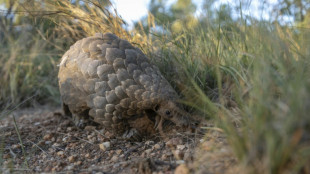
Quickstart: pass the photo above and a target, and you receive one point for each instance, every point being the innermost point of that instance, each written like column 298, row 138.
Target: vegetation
column 250, row 75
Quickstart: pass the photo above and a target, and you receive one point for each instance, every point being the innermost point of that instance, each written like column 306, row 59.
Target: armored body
column 106, row 79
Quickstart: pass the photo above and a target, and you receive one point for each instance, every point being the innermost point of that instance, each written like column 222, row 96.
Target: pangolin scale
column 108, row 80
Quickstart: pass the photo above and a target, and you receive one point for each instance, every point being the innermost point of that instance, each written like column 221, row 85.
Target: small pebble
column 119, row 151
column 87, row 155
column 114, row 158
column 156, row 146
column 180, row 147
column 164, row 157
column 47, row 137
column 56, row 145
column 104, row 146
column 72, row 158
column 61, row 153
column 174, row 142
column 70, row 167
column 89, row 137
column 48, row 142
column 65, row 139
column 16, row 146
column 149, row 142
column 78, row 163
column 148, row 151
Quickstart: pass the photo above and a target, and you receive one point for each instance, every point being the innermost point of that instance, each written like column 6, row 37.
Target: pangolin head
column 169, row 110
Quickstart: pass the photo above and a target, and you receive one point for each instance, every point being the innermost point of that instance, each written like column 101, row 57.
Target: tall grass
column 262, row 71
column 27, row 69
column 259, row 69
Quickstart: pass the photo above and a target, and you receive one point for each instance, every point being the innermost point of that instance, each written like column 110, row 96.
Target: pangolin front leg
column 159, row 120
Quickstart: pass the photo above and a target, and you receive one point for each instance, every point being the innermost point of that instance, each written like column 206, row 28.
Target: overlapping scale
column 112, row 79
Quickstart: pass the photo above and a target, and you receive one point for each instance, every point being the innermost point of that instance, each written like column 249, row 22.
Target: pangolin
column 113, row 83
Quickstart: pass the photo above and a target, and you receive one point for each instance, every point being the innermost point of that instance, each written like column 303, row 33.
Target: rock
column 180, row 147
column 148, row 151
column 164, row 157
column 119, row 151
column 156, row 146
column 109, row 134
column 87, row 155
column 70, row 167
column 56, row 145
column 47, row 137
column 61, row 154
column 174, row 142
column 104, row 146
column 180, row 162
column 114, row 158
column 149, row 143
column 16, row 146
column 89, row 137
column 65, row 139
column 48, row 142
column 72, row 158
column 78, row 163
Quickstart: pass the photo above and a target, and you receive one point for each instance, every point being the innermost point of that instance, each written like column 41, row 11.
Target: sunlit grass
column 261, row 70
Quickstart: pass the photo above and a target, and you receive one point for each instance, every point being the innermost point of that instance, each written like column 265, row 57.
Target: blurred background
column 242, row 64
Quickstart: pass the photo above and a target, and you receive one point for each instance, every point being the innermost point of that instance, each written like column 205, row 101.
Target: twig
column 20, row 140
column 213, row 128
column 12, row 153
column 76, row 137
column 37, row 146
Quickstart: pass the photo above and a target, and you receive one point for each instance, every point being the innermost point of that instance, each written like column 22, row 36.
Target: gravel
column 53, row 144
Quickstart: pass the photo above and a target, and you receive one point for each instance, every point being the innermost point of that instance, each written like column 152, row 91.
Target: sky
column 133, row 10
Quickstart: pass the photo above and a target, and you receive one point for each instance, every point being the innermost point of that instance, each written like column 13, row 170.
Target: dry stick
column 213, row 128
column 37, row 146
column 15, row 125
column 20, row 140
column 75, row 137
column 12, row 153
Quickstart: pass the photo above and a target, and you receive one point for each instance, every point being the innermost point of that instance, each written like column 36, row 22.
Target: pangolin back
column 111, row 80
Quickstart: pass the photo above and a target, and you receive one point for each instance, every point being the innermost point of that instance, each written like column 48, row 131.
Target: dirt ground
column 51, row 143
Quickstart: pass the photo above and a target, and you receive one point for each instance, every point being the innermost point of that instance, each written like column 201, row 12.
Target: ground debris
column 53, row 144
